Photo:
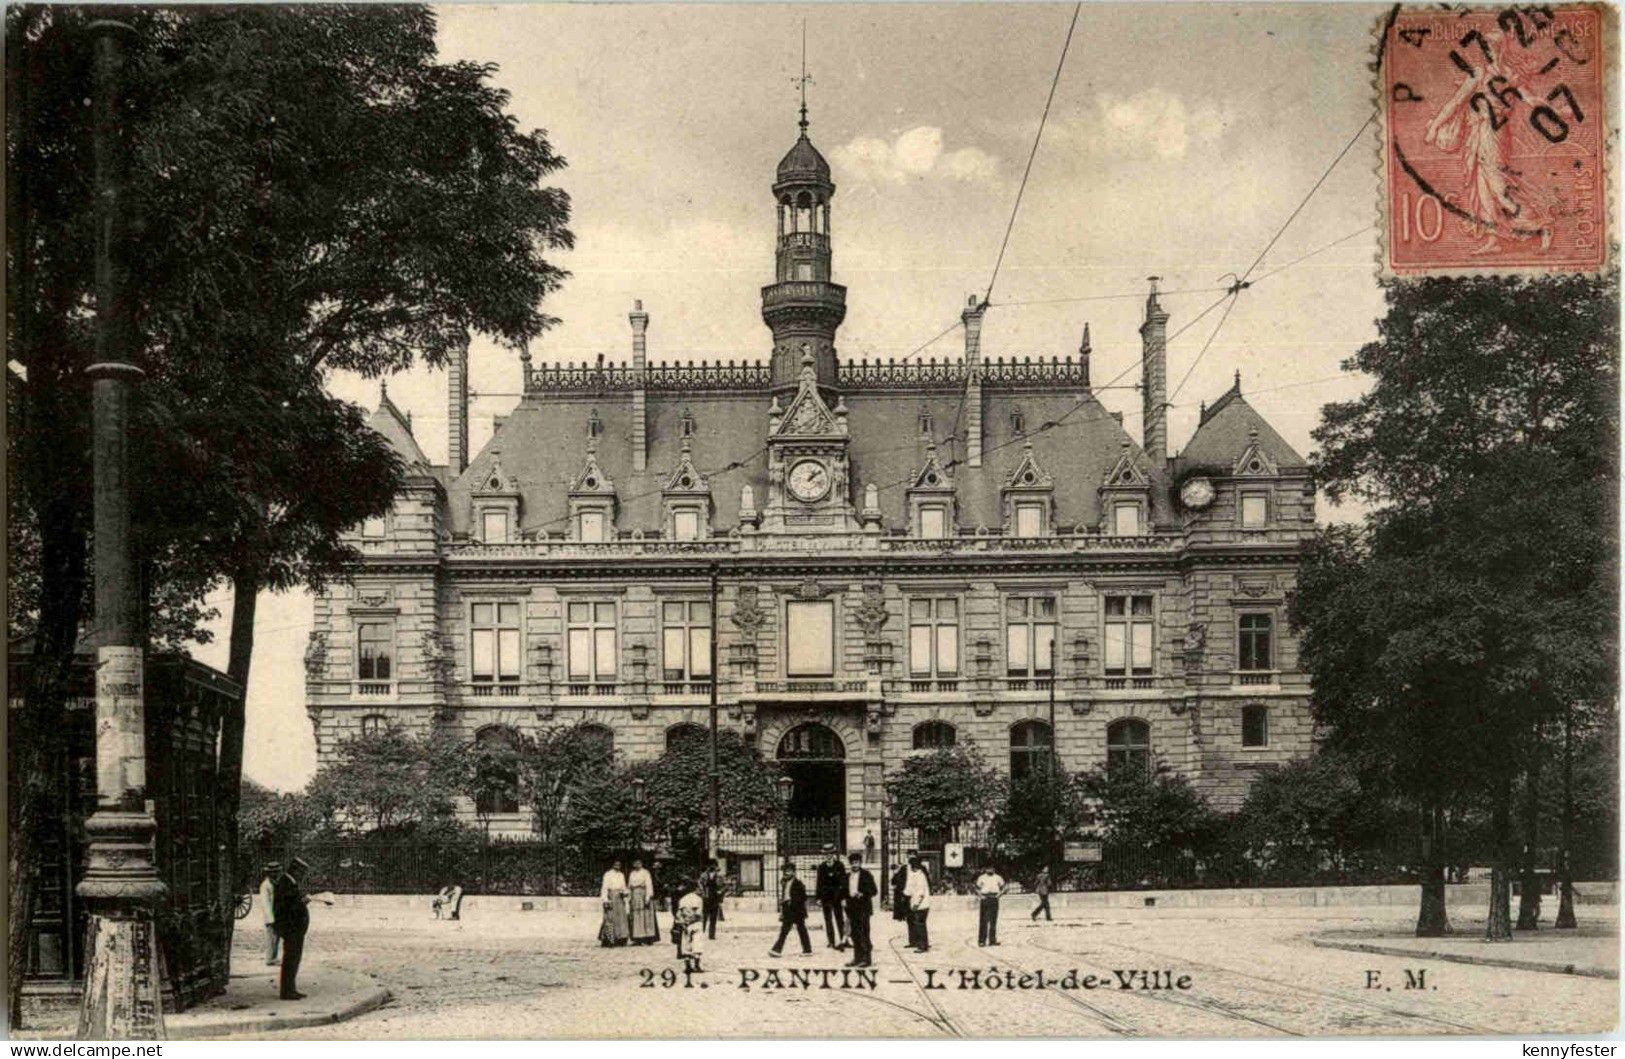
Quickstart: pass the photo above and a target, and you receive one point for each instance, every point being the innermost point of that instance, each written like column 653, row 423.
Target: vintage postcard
column 872, row 520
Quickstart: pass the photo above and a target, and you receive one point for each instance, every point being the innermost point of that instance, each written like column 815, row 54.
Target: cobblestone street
column 1252, row 972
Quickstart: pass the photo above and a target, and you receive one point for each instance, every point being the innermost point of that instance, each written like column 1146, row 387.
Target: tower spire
column 804, row 78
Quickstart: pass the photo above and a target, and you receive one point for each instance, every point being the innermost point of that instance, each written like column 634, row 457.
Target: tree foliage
column 945, row 787
column 1313, row 816
column 678, row 788
column 390, row 780
column 1157, row 811
column 1040, row 810
column 555, row 767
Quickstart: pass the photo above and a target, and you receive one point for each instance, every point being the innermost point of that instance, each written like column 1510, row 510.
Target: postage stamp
column 1495, row 132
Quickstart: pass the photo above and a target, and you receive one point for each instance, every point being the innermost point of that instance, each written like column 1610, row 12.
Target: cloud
column 1153, row 121
column 914, row 155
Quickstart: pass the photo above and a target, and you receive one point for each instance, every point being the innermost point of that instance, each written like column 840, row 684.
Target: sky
column 1180, row 141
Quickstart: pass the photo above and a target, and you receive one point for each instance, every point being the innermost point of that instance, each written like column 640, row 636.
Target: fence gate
column 806, row 836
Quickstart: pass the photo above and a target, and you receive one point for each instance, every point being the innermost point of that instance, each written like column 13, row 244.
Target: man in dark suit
column 292, row 921
column 711, row 885
column 899, row 903
column 831, row 886
column 860, row 905
column 792, row 911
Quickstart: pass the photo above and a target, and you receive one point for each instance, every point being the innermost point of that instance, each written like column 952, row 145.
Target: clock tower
column 809, row 478
column 803, row 308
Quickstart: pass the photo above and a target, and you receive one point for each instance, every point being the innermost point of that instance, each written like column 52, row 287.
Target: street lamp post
column 1565, row 867
column 639, row 794
column 121, row 887
column 787, row 787
column 716, row 775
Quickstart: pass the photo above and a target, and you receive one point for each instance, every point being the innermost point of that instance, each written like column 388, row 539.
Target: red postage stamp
column 1495, row 139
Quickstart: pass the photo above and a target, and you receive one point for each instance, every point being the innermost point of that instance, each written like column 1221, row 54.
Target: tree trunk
column 1529, row 885
column 35, row 731
column 1565, row 868
column 1498, row 925
column 1433, row 920
column 240, row 652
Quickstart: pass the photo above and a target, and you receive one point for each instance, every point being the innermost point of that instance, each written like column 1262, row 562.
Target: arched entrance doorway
column 814, row 758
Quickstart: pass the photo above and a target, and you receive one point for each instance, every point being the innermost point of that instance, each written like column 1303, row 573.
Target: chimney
column 640, row 363
column 457, row 411
column 1083, row 355
column 1154, row 379
column 972, row 319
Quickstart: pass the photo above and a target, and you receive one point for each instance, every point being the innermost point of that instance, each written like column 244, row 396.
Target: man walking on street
column 292, row 921
column 1041, row 888
column 918, row 892
column 860, row 890
column 711, row 898
column 831, row 887
column 268, row 908
column 792, row 911
column 990, row 887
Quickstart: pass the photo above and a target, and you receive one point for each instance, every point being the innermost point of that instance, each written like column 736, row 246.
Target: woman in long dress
column 641, row 906
column 614, row 930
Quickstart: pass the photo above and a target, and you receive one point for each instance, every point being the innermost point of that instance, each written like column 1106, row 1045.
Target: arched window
column 602, row 734
column 811, row 742
column 1029, row 748
column 374, row 724
column 1128, row 746
column 677, row 733
column 1255, row 725
column 934, row 735
column 496, row 781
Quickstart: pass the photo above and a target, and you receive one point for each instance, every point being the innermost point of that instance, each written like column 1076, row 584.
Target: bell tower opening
column 803, row 306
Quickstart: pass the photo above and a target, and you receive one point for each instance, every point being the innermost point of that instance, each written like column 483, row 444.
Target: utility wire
column 1037, row 139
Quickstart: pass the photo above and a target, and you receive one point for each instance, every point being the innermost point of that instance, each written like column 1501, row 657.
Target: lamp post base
column 122, row 1000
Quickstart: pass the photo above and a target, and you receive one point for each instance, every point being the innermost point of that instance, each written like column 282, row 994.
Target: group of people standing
column 846, row 892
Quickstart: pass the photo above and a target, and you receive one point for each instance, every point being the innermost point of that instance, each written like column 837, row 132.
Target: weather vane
column 805, row 79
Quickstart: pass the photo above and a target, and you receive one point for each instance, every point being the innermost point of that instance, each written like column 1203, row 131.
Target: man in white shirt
column 267, row 890
column 917, row 891
column 990, row 886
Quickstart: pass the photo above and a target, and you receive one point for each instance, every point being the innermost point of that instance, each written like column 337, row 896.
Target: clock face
column 809, row 481
column 1197, row 493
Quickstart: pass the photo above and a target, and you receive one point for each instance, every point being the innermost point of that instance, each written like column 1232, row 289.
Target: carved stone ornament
column 1082, row 707
column 871, row 610
column 316, row 656
column 984, row 709
column 749, row 616
column 1195, row 644
column 1255, row 589
column 809, row 589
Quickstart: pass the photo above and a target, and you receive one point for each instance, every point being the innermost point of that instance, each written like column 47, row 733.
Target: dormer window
column 1126, row 518
column 933, row 521
column 687, row 423
column 926, row 422
column 685, row 524
column 494, row 527
column 1255, row 511
column 592, row 526
column 1030, row 519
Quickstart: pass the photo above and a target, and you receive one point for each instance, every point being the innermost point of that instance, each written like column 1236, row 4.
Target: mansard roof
column 1228, row 428
column 544, row 442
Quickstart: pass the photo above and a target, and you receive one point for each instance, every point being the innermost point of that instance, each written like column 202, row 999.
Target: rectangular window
column 933, row 522
column 685, row 524
column 1126, row 520
column 591, row 641
column 375, row 647
column 1255, row 511
column 1029, row 635
column 1254, row 651
column 1128, row 636
column 495, row 527
column 810, row 639
column 373, row 528
column 933, row 637
column 1029, row 520
column 685, row 640
column 493, row 642
column 591, row 526
column 1255, row 726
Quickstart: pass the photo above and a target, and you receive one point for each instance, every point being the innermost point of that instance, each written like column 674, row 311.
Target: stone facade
column 533, row 587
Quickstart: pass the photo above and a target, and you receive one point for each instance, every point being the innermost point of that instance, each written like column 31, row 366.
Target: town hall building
column 907, row 555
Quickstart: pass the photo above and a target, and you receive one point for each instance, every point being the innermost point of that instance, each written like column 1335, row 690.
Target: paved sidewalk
column 1591, row 951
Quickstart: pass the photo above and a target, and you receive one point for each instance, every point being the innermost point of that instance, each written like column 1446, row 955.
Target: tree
column 271, row 825
column 554, row 767
column 1039, row 810
column 677, row 789
column 1310, row 815
column 391, row 780
column 935, row 791
column 1140, row 812
column 1447, row 637
column 309, row 189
